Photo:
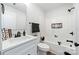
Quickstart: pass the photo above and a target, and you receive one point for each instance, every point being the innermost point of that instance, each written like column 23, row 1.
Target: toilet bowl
column 43, row 48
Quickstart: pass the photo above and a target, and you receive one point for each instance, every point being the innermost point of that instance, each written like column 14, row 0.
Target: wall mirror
column 13, row 18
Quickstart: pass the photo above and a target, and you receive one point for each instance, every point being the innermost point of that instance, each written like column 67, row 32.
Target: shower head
column 69, row 10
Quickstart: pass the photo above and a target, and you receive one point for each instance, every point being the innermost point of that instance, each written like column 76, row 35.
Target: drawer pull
column 29, row 54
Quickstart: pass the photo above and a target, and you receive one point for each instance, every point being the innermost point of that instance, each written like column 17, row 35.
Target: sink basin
column 16, row 41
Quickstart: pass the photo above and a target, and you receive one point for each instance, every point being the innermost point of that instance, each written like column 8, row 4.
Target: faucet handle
column 76, row 44
column 71, row 33
column 59, row 43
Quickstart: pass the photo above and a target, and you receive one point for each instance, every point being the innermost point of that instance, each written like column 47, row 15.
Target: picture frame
column 56, row 25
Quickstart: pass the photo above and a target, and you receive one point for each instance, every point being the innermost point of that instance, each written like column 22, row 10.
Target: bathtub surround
column 60, row 15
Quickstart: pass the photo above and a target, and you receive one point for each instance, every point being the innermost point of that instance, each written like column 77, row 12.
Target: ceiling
column 19, row 6
column 49, row 6
column 44, row 6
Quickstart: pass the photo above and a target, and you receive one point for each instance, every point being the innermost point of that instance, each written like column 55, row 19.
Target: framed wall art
column 56, row 25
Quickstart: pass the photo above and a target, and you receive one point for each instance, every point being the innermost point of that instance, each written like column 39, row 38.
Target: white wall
column 0, row 30
column 77, row 25
column 60, row 15
column 57, row 15
column 36, row 15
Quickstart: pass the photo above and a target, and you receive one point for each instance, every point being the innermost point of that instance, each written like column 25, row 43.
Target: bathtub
column 60, row 49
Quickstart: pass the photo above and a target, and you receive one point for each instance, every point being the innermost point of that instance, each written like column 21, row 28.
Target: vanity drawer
column 31, row 51
column 21, row 49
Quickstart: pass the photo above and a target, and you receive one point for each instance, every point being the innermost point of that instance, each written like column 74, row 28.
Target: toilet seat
column 43, row 47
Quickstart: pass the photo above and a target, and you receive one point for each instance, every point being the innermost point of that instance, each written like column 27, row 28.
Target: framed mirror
column 13, row 19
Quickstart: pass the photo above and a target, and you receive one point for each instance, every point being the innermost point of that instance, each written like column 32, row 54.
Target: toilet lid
column 43, row 45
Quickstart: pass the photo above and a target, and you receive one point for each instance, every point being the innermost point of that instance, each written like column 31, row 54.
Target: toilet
column 43, row 48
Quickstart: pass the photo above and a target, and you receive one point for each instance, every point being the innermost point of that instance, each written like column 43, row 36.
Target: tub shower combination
column 62, row 49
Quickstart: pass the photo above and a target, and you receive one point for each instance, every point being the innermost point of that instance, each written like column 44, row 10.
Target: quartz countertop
column 13, row 42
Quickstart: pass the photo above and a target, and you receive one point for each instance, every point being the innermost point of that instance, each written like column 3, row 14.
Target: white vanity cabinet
column 26, row 48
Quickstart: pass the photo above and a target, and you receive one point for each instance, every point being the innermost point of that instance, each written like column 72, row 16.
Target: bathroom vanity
column 25, row 45
column 14, row 20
